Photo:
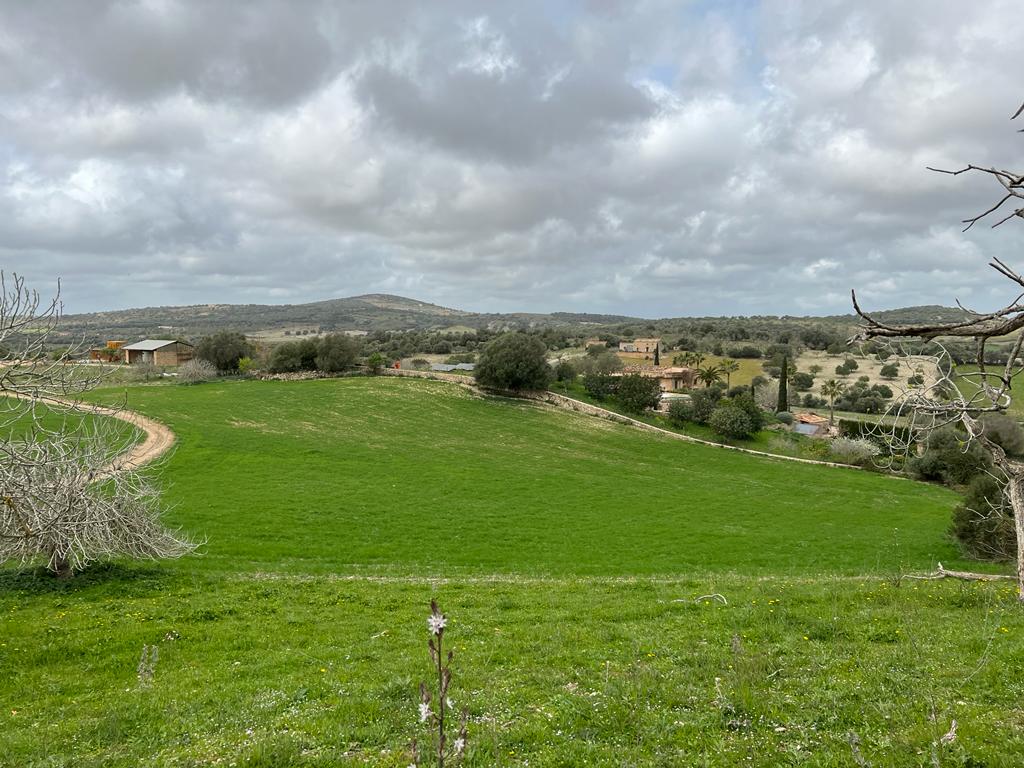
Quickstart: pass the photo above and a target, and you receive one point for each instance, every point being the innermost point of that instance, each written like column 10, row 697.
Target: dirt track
column 159, row 438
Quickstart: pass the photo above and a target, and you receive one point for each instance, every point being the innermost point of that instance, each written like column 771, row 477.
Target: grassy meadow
column 569, row 552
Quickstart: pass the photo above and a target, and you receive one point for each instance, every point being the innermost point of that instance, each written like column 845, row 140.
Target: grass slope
column 268, row 660
column 417, row 475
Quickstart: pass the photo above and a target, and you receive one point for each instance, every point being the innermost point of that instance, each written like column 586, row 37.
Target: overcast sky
column 645, row 158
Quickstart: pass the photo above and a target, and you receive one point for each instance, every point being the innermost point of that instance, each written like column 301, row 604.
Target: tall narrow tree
column 783, row 404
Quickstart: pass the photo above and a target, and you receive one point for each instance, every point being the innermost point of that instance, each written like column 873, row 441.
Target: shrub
column 747, row 352
column 916, row 380
column 1004, row 432
column 802, row 381
column 375, row 362
column 565, row 371
column 603, row 361
column 853, row 450
column 245, row 365
column 890, row 371
column 420, row 364
column 336, row 352
column 703, row 403
column 785, row 417
column 680, row 412
column 949, row 458
column 196, row 371
column 293, row 356
column 983, row 524
column 514, row 361
column 144, row 371
column 731, row 421
column 600, row 385
column 636, row 392
column 224, row 350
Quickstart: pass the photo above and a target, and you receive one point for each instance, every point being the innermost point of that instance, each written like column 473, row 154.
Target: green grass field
column 568, row 551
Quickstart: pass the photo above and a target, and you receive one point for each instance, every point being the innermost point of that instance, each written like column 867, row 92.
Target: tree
column 709, row 375
column 70, row 493
column 783, row 403
column 336, row 352
column 196, row 371
column 636, row 392
column 224, row 350
column 565, row 373
column 802, row 381
column 832, row 389
column 947, row 402
column 728, row 367
column 515, row 361
column 889, row 371
column 375, row 362
column 731, row 421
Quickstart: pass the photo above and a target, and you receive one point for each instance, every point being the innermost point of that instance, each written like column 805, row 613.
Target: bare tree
column 963, row 398
column 68, row 494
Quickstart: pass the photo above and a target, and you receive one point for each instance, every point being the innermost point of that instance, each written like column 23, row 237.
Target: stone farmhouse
column 642, row 349
column 159, row 352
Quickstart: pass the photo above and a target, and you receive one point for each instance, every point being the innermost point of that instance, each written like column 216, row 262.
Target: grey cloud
column 654, row 158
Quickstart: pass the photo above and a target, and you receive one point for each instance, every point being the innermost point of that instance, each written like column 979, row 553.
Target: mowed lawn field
column 575, row 557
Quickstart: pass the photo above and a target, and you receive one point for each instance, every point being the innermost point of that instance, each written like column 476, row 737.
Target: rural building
column 669, row 379
column 593, row 341
column 445, row 368
column 159, row 352
column 641, row 349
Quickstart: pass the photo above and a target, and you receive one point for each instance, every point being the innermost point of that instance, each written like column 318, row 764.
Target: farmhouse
column 641, row 349
column 669, row 379
column 160, row 352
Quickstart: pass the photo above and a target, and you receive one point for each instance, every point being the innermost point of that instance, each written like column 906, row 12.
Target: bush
column 565, row 371
column 245, row 365
column 196, row 371
column 224, row 350
column 731, row 421
column 600, row 385
column 375, row 362
column 514, row 361
column 1004, row 432
column 802, row 381
column 603, row 361
column 680, row 412
column 293, row 356
column 916, row 380
column 336, row 352
column 785, row 417
column 890, row 371
column 983, row 524
column 144, row 371
column 636, row 392
column 949, row 458
column 853, row 450
column 746, row 352
column 420, row 364
column 703, row 403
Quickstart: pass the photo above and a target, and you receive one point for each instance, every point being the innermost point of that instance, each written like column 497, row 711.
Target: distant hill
column 383, row 312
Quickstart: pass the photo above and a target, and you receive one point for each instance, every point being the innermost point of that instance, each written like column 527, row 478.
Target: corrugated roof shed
column 150, row 345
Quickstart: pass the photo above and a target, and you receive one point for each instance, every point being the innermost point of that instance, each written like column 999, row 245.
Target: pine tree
column 783, row 404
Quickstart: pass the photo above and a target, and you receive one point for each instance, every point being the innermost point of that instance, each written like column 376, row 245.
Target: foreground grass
column 287, row 670
column 569, row 552
column 396, row 475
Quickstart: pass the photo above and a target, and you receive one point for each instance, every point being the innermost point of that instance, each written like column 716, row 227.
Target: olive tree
column 70, row 492
column 515, row 361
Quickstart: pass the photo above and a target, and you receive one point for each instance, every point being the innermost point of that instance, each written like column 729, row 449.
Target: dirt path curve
column 159, row 438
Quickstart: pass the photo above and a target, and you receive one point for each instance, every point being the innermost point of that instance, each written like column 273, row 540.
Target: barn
column 160, row 352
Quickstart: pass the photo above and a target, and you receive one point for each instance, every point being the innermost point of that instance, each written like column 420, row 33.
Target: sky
column 639, row 157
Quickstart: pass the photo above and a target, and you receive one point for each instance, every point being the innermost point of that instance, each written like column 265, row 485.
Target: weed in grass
column 147, row 665
column 435, row 704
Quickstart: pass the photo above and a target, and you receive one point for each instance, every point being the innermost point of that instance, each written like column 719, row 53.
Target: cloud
column 654, row 158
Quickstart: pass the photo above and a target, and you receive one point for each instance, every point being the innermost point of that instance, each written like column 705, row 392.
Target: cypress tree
column 783, row 404
column 657, row 353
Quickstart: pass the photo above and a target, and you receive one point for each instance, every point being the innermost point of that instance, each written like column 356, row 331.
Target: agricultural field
column 615, row 598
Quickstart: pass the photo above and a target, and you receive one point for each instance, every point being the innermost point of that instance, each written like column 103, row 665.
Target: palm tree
column 729, row 367
column 693, row 359
column 710, row 375
column 832, row 389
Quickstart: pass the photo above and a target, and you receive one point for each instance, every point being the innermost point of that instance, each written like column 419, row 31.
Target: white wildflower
column 436, row 622
column 424, row 712
column 459, row 744
column 950, row 735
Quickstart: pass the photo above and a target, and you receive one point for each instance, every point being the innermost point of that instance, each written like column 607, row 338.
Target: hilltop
column 386, row 312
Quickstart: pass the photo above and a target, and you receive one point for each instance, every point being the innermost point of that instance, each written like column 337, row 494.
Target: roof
column 457, row 367
column 811, row 418
column 149, row 345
